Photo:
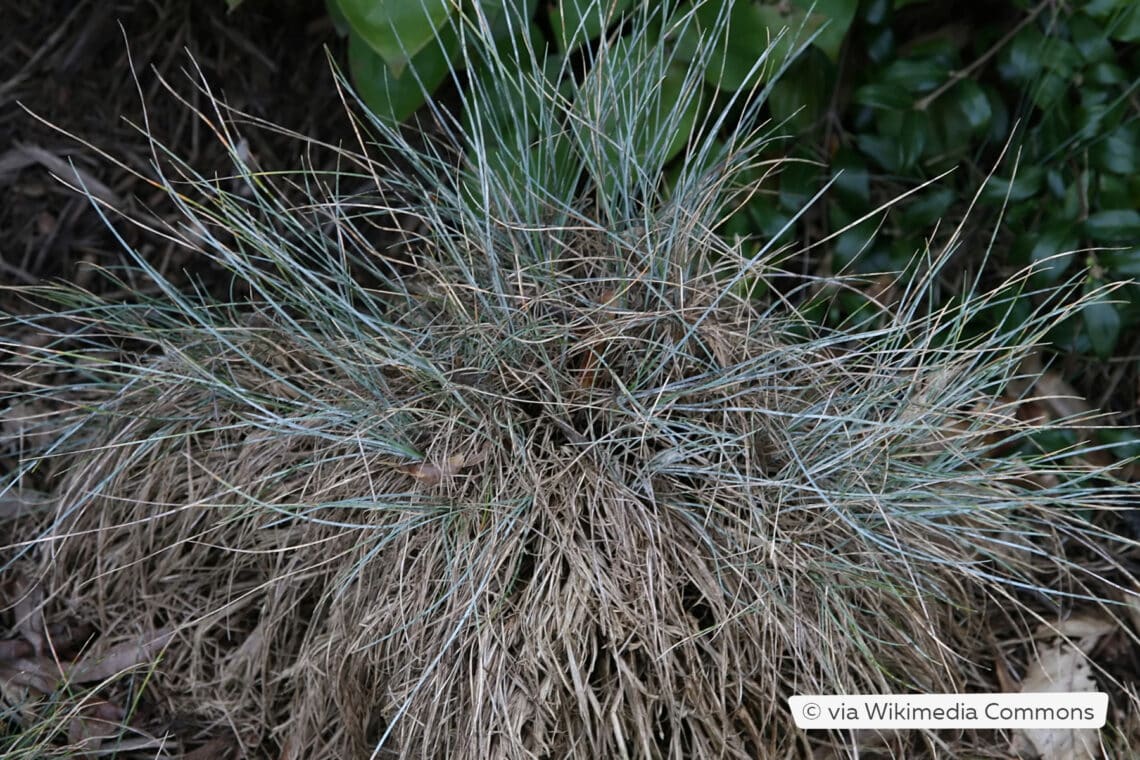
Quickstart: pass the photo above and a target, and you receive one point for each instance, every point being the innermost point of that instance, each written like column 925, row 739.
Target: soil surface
column 92, row 72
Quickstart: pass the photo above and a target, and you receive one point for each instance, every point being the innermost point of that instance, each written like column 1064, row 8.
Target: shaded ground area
column 74, row 66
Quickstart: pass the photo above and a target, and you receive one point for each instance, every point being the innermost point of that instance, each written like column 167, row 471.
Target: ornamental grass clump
column 475, row 456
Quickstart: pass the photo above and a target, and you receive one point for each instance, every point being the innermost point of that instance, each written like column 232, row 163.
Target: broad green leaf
column 1000, row 122
column 395, row 98
column 1056, row 182
column 396, row 29
column 767, row 218
column 1126, row 28
column 1119, row 151
column 1090, row 39
column 882, row 150
column 1020, row 61
column 912, row 138
column 1102, row 8
column 1025, row 185
column 875, row 12
column 749, row 37
column 1060, row 56
column 853, row 243
column 852, row 182
column 1049, row 250
column 916, row 76
column 929, row 207
column 336, row 15
column 886, row 95
column 881, row 44
column 799, row 180
column 973, row 103
column 1122, row 263
column 838, row 14
column 1114, row 226
column 1105, row 74
column 1048, row 89
column 1102, row 322
column 575, row 22
column 800, row 96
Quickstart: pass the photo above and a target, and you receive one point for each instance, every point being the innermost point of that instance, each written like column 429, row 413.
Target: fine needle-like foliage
column 536, row 476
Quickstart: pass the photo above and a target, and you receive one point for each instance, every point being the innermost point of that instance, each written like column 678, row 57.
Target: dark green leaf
column 1127, row 27
column 927, row 208
column 1105, row 74
column 916, row 76
column 1114, row 226
column 396, row 29
column 875, row 11
column 973, row 103
column 912, row 138
column 880, row 149
column 852, row 183
column 1060, row 56
column 1048, row 89
column 767, row 218
column 1024, row 186
column 999, row 123
column 1050, row 250
column 1090, row 39
column 834, row 18
column 883, row 95
column 735, row 61
column 800, row 96
column 881, row 44
column 1119, row 151
column 852, row 242
column 574, row 22
column 1056, row 183
column 1121, row 263
column 1102, row 323
column 336, row 15
column 799, row 181
column 1021, row 60
column 395, row 98
column 1102, row 8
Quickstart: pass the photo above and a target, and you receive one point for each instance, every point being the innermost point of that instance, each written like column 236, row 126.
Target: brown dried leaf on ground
column 28, row 610
column 431, row 474
column 119, row 658
column 1083, row 629
column 1060, row 668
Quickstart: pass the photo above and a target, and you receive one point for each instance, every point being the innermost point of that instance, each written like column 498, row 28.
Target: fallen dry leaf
column 431, row 474
column 96, row 721
column 1083, row 629
column 29, row 611
column 40, row 674
column 1060, row 668
column 120, row 658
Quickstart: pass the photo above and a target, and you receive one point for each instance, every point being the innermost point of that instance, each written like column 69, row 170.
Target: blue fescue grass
column 553, row 486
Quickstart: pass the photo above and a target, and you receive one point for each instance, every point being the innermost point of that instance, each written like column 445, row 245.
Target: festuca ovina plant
column 540, row 480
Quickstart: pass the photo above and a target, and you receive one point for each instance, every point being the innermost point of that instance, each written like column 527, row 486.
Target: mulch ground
column 92, row 70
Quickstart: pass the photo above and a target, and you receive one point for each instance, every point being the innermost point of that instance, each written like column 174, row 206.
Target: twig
column 961, row 74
